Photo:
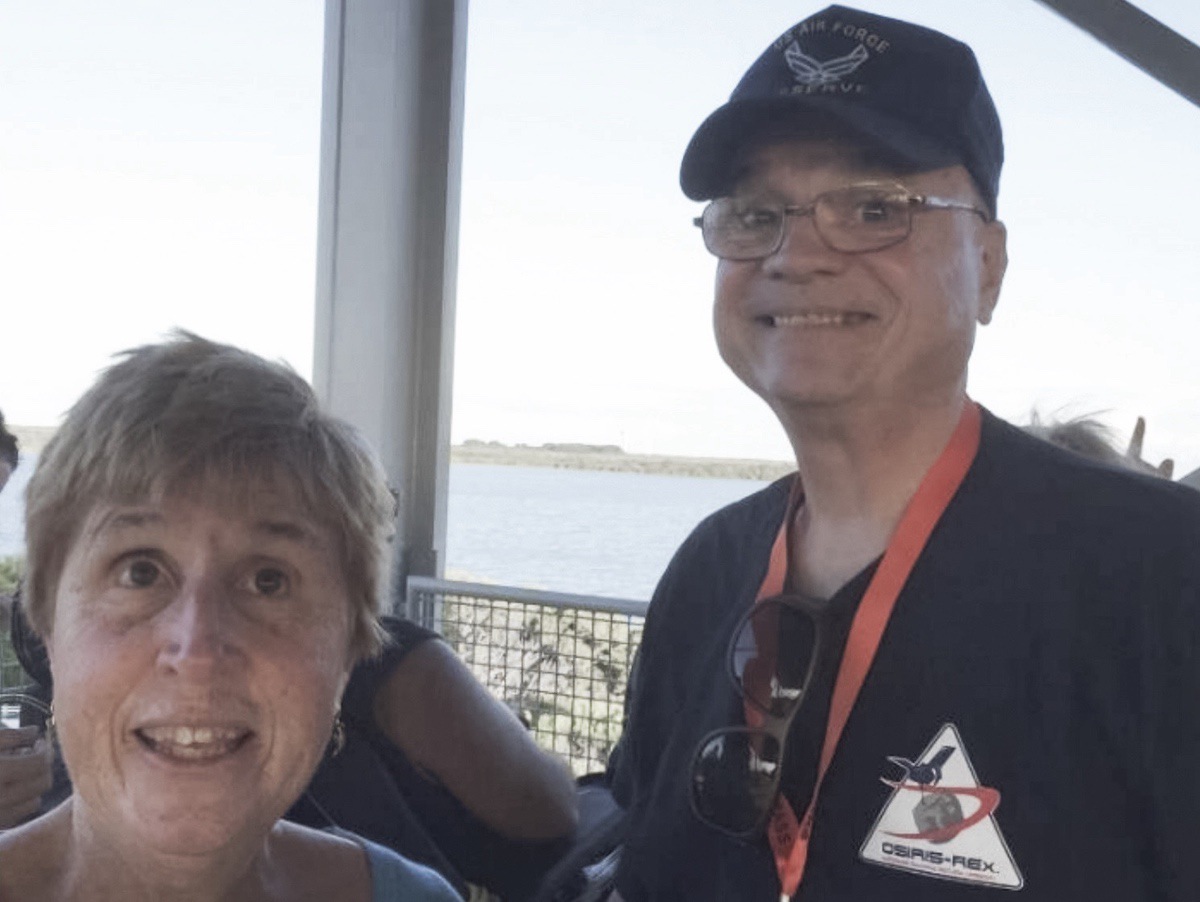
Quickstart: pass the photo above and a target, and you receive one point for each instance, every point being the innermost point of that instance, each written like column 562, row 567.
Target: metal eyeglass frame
column 914, row 203
column 16, row 697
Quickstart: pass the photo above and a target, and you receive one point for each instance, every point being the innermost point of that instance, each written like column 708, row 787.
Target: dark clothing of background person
column 375, row 790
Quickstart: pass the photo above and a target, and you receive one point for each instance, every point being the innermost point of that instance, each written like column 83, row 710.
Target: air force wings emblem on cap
column 810, row 71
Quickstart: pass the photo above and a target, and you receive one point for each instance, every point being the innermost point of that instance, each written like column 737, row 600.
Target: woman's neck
column 102, row 866
column 57, row 858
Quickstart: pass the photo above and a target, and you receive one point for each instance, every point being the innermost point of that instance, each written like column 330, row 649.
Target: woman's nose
column 198, row 633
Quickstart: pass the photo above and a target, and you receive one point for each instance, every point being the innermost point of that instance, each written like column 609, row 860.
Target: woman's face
column 199, row 653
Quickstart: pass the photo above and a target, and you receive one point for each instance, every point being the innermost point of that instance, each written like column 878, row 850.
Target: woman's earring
column 337, row 741
column 51, row 736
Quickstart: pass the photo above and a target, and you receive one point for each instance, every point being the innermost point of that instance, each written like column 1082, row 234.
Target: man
column 981, row 674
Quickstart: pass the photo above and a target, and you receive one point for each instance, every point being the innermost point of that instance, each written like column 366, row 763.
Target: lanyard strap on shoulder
column 788, row 836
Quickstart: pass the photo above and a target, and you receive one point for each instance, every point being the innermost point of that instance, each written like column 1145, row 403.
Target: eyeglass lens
column 772, row 655
column 852, row 220
column 734, row 779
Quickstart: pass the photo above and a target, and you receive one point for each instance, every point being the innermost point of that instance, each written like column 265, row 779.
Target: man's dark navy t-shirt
column 1049, row 634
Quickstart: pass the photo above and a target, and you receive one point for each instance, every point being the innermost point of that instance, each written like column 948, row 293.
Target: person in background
column 26, row 756
column 205, row 556
column 1092, row 439
column 439, row 769
column 9, row 455
column 944, row 659
column 432, row 767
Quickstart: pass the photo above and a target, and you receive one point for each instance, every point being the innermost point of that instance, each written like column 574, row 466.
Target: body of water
column 583, row 531
column 12, row 507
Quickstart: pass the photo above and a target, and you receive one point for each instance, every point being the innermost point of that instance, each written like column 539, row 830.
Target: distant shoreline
column 612, row 459
column 608, row 458
column 31, row 438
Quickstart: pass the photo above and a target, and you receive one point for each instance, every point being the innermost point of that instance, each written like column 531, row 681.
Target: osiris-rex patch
column 939, row 820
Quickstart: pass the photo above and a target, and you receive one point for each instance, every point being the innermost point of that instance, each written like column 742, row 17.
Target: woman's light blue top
column 396, row 879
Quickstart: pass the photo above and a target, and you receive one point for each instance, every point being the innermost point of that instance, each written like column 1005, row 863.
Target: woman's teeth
column 193, row 743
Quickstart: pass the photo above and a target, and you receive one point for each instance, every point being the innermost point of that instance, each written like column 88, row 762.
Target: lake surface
column 584, row 531
column 12, row 508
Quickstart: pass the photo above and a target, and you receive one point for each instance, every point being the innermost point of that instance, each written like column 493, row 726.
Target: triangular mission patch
column 939, row 821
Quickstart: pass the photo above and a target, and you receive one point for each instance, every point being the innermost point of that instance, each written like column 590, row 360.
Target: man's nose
column 801, row 248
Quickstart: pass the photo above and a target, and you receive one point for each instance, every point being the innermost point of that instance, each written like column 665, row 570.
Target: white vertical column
column 391, row 152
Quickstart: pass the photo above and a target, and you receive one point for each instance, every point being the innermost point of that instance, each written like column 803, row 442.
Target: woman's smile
column 200, row 744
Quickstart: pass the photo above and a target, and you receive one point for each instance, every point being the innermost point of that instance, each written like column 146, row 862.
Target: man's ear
column 993, row 248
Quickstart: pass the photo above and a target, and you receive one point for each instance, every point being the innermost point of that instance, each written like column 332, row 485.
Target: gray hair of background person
column 8, row 446
column 1083, row 435
column 191, row 414
column 1090, row 438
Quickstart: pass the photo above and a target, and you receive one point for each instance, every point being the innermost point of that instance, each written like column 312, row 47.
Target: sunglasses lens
column 734, row 779
column 772, row 654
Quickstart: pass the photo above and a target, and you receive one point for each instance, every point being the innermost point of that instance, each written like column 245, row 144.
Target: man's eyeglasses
column 736, row 771
column 854, row 219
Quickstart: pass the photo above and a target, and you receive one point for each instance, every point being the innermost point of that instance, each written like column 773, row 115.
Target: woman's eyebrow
column 129, row 519
column 287, row 529
column 119, row 519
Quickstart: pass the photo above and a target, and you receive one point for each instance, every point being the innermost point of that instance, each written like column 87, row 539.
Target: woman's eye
column 269, row 581
column 139, row 573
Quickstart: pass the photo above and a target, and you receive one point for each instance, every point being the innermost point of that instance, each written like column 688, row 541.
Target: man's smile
column 813, row 319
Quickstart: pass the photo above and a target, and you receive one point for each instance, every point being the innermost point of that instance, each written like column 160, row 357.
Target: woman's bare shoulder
column 32, row 856
column 317, row 865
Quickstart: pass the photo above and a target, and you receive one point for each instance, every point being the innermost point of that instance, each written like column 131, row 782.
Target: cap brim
column 706, row 171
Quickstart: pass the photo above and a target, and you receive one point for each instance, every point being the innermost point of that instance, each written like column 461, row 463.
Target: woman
column 204, row 558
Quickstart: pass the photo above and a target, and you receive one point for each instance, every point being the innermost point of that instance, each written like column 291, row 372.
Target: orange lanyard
column 788, row 836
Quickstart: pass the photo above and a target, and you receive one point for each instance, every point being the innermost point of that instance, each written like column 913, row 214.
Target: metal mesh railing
column 11, row 674
column 560, row 661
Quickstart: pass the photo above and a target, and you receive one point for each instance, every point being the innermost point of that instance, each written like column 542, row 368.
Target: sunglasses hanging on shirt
column 736, row 771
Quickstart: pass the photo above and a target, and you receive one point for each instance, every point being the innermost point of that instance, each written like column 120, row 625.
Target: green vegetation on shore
column 11, row 674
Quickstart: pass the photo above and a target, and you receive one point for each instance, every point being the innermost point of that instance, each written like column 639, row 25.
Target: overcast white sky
column 159, row 168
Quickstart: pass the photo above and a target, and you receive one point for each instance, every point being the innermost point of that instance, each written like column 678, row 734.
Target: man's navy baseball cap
column 907, row 89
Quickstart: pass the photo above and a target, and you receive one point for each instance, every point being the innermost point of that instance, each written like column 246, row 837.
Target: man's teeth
column 192, row 742
column 818, row 319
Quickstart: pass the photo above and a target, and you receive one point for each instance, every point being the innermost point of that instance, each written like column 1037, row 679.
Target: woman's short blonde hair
column 191, row 412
